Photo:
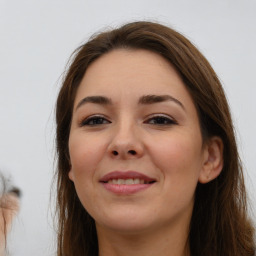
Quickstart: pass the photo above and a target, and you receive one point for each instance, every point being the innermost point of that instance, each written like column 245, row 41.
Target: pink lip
column 126, row 189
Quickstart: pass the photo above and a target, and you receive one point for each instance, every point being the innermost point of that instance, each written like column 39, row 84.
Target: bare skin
column 133, row 114
column 9, row 207
column 161, row 242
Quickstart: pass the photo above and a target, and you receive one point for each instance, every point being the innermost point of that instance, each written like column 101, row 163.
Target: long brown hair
column 219, row 224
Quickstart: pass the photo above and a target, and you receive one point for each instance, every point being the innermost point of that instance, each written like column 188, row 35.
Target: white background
column 36, row 39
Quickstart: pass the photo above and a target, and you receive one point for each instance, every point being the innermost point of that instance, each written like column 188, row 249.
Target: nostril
column 132, row 152
column 115, row 153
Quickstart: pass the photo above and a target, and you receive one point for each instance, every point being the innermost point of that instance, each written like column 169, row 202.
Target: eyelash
column 95, row 121
column 160, row 120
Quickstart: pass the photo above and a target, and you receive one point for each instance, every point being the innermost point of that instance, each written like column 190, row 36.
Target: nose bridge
column 126, row 129
column 126, row 141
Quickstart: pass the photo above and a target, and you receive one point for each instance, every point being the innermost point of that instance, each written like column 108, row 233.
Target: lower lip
column 126, row 189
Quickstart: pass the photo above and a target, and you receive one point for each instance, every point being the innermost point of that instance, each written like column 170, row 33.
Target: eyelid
column 161, row 115
column 90, row 117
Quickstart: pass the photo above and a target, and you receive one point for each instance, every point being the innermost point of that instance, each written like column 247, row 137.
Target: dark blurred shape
column 15, row 191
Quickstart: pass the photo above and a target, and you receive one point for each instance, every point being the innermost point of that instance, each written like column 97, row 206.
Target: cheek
column 85, row 154
column 179, row 161
column 179, row 156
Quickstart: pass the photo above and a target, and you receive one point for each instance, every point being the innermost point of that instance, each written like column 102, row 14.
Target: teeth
column 127, row 181
column 137, row 181
column 120, row 182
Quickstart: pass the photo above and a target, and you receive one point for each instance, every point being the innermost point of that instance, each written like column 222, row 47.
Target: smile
column 128, row 182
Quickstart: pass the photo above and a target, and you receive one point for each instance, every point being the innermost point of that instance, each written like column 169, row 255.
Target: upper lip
column 126, row 175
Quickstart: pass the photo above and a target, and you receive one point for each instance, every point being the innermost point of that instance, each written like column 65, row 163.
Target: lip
column 124, row 189
column 125, row 175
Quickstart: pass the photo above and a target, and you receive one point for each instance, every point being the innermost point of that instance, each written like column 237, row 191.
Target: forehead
column 123, row 72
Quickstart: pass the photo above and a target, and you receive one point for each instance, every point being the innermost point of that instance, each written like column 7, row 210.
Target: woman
column 147, row 157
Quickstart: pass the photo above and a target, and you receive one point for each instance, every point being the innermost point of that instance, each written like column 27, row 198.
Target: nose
column 126, row 143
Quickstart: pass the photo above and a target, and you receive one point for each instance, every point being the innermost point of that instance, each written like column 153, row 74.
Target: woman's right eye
column 94, row 121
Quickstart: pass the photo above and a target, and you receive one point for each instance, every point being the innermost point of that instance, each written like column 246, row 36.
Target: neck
column 163, row 241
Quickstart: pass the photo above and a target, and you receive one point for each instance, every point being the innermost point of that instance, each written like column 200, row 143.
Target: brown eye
column 161, row 120
column 94, row 121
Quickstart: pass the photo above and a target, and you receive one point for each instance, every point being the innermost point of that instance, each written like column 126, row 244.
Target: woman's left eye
column 161, row 120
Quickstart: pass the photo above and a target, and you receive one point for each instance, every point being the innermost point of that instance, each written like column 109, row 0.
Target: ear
column 71, row 174
column 213, row 160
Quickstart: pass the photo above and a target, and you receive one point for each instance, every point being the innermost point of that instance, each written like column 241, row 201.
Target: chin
column 126, row 228
column 127, row 222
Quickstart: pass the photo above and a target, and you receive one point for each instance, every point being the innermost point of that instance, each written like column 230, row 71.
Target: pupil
column 160, row 120
column 97, row 121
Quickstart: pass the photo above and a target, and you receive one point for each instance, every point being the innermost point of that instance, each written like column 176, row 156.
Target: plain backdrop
column 37, row 38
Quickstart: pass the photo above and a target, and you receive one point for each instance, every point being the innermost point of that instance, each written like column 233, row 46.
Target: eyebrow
column 94, row 99
column 144, row 100
column 151, row 99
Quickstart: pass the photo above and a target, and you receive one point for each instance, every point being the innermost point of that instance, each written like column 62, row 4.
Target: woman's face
column 135, row 143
